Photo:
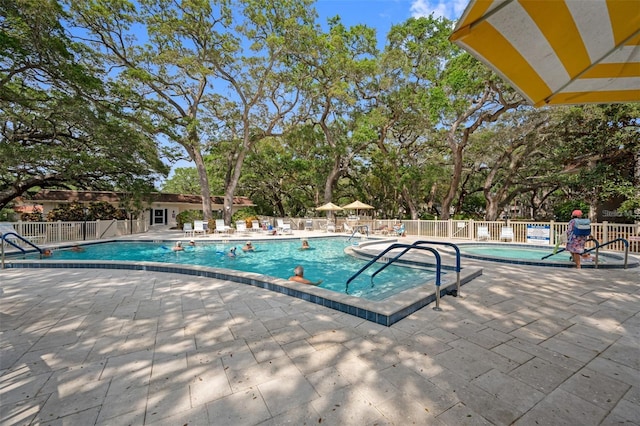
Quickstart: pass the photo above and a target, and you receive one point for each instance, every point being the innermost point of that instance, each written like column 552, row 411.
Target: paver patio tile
column 561, row 407
column 240, row 408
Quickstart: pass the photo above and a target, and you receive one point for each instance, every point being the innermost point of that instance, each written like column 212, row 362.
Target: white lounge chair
column 198, row 228
column 347, row 228
column 285, row 228
column 483, row 233
column 241, row 227
column 187, row 228
column 221, row 228
column 506, row 233
column 331, row 227
column 255, row 227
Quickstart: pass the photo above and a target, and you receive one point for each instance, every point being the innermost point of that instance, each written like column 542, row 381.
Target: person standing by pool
column 298, row 276
column 575, row 242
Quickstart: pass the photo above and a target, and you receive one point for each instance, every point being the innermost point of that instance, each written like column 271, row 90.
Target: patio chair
column 198, row 228
column 285, row 228
column 221, row 228
column 347, row 228
column 483, row 233
column 399, row 231
column 241, row 227
column 331, row 227
column 187, row 228
column 308, row 225
column 255, row 227
column 506, row 233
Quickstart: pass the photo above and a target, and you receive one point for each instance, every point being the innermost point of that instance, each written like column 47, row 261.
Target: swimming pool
column 326, row 260
column 397, row 292
column 532, row 255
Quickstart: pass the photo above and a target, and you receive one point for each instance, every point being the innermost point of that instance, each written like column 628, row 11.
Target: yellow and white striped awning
column 558, row 51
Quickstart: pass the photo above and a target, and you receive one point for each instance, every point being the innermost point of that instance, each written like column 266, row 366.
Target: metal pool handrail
column 586, row 251
column 359, row 228
column 406, row 247
column 598, row 246
column 21, row 238
column 458, row 256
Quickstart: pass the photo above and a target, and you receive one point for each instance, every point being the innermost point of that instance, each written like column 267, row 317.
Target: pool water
column 524, row 254
column 325, row 260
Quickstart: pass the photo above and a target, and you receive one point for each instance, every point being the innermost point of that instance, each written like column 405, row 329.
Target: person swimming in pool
column 232, row 252
column 305, row 245
column 178, row 246
column 298, row 276
column 248, row 246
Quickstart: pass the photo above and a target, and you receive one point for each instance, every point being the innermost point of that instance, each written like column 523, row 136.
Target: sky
column 382, row 14
column 379, row 14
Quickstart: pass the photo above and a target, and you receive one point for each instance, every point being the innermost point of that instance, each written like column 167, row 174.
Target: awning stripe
column 506, row 58
column 570, row 46
column 571, row 52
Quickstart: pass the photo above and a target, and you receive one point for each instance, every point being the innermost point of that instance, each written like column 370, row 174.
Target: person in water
column 232, row 252
column 305, row 245
column 248, row 246
column 178, row 246
column 298, row 276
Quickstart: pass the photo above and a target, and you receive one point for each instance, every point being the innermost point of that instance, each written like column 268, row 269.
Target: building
column 161, row 210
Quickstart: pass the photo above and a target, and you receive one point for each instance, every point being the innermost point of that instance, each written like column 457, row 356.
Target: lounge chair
column 400, row 231
column 285, row 228
column 483, row 233
column 221, row 228
column 255, row 226
column 506, row 233
column 187, row 228
column 347, row 228
column 241, row 227
column 198, row 228
column 308, row 225
column 331, row 227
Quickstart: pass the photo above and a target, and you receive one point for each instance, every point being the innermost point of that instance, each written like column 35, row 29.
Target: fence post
column 472, row 230
column 552, row 232
column 605, row 231
column 449, row 228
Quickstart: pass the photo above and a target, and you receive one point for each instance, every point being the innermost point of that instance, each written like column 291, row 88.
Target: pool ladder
column 19, row 237
column 418, row 245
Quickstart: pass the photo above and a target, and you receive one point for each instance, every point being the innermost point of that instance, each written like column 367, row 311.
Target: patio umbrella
column 357, row 205
column 329, row 208
column 558, row 52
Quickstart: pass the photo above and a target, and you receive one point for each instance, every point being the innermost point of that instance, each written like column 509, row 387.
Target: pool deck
column 524, row 345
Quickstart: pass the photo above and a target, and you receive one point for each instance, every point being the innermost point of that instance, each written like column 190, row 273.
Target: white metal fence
column 523, row 232
column 59, row 232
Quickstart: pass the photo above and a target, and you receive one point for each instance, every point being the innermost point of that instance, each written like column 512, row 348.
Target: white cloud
column 450, row 9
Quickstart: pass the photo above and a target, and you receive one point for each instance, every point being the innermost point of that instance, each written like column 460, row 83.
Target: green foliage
column 562, row 211
column 61, row 125
column 247, row 214
column 79, row 212
column 188, row 216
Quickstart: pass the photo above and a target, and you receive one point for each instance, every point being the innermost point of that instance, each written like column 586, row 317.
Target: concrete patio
column 524, row 346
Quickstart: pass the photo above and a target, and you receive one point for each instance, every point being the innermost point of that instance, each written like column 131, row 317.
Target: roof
column 114, row 197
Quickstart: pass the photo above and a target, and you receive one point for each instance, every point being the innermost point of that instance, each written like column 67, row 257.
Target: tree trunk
column 204, row 184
